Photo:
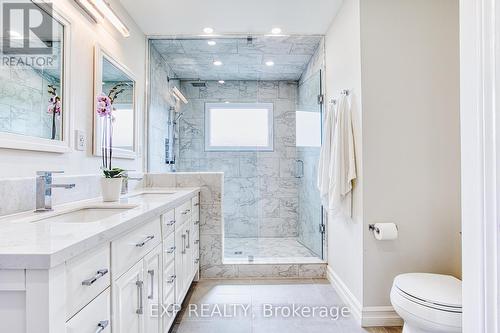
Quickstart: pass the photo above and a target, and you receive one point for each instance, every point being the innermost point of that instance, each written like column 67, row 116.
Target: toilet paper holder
column 372, row 228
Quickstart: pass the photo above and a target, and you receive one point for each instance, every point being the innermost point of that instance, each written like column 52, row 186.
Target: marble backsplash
column 18, row 194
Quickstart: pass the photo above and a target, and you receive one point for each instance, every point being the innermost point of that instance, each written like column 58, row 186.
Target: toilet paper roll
column 385, row 231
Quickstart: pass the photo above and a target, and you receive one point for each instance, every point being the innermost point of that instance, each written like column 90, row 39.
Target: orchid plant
column 104, row 110
column 54, row 108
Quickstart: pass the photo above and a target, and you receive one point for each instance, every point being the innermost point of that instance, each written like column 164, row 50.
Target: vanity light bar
column 99, row 10
column 179, row 95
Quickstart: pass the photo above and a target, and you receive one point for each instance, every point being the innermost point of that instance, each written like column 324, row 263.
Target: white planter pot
column 111, row 189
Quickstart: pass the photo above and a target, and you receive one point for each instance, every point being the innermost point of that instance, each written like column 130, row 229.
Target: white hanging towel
column 343, row 160
column 324, row 166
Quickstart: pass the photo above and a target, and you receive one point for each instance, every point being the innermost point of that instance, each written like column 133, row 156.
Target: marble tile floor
column 254, row 306
column 267, row 251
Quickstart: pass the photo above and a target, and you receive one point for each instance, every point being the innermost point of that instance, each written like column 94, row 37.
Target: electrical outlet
column 81, row 140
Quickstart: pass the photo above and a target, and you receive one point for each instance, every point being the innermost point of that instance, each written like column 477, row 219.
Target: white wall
column 400, row 59
column 343, row 71
column 411, row 139
column 85, row 34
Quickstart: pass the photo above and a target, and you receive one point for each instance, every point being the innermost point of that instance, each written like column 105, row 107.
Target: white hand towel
column 323, row 181
column 343, row 161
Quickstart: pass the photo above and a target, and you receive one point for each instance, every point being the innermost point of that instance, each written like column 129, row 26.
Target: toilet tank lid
column 433, row 288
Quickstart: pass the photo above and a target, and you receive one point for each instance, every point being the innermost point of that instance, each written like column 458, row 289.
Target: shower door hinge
column 321, row 228
column 321, row 99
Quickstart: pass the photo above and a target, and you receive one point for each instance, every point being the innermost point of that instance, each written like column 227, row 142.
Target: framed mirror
column 117, row 82
column 34, row 81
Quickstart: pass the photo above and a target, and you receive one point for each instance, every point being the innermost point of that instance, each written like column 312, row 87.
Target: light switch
column 81, row 140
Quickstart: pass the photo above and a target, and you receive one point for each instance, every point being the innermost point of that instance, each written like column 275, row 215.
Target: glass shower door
column 308, row 141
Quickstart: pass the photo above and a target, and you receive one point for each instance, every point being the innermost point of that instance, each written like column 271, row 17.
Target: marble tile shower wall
column 261, row 198
column 212, row 196
column 24, row 100
column 158, row 116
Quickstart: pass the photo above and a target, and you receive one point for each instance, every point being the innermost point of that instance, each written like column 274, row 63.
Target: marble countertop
column 30, row 241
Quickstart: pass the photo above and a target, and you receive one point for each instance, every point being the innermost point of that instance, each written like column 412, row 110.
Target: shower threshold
column 253, row 250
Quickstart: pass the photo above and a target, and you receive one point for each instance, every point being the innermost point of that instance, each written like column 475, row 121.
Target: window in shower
column 238, row 126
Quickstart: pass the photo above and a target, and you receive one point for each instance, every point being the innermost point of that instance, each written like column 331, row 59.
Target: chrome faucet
column 125, row 180
column 44, row 188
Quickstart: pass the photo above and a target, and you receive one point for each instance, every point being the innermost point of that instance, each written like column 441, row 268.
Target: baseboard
column 370, row 316
column 345, row 294
column 373, row 316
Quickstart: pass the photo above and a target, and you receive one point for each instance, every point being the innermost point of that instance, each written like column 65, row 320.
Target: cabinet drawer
column 86, row 277
column 95, row 317
column 169, row 250
column 128, row 249
column 183, row 213
column 167, row 223
column 171, row 310
column 169, row 278
column 195, row 208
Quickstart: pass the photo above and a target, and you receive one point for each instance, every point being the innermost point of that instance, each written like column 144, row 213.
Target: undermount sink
column 87, row 215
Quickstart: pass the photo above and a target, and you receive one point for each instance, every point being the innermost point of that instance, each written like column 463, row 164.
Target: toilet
column 428, row 303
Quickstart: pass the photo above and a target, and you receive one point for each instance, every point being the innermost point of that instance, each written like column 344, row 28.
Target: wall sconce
column 100, row 10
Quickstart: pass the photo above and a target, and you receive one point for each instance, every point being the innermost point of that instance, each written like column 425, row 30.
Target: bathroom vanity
column 96, row 267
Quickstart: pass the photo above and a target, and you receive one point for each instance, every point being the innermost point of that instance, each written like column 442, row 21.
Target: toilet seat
column 428, row 302
column 442, row 292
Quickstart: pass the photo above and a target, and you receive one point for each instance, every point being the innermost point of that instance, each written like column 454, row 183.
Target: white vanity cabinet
column 133, row 282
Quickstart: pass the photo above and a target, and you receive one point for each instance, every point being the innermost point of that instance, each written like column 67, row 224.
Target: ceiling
column 189, row 17
column 241, row 59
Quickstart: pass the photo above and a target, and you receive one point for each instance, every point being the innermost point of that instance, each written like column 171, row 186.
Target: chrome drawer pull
column 183, row 244
column 172, row 279
column 151, row 273
column 141, row 244
column 171, row 250
column 196, row 261
column 171, row 222
column 197, row 241
column 186, row 211
column 99, row 274
column 188, row 233
column 102, row 326
column 196, row 222
column 140, row 308
column 197, row 204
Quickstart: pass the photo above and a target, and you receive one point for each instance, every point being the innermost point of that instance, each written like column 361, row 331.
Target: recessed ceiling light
column 221, row 81
column 276, row 31
column 217, row 63
column 208, row 30
column 227, row 102
column 211, row 42
column 270, row 63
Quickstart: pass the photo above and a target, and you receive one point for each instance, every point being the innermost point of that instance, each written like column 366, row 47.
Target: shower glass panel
column 271, row 209
column 308, row 141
